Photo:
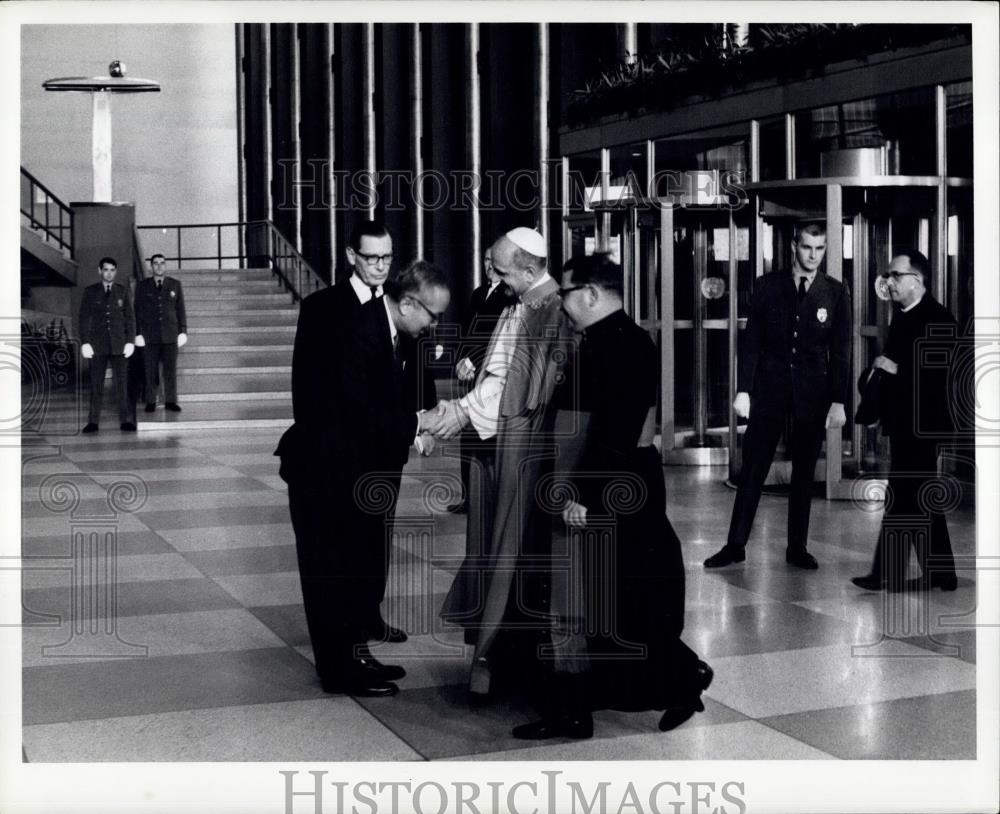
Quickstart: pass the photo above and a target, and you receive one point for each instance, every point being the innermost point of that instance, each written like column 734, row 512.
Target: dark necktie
column 159, row 285
column 802, row 288
column 395, row 347
column 374, row 289
column 107, row 291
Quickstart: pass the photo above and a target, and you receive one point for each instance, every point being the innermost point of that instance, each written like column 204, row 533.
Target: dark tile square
column 253, row 560
column 78, row 692
column 288, row 622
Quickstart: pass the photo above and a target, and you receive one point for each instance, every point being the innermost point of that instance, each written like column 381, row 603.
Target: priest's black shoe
column 387, row 672
column 128, row 426
column 381, row 631
column 173, row 406
column 578, row 728
column 801, row 559
column 674, row 716
column 727, row 555
column 91, row 427
column 869, row 582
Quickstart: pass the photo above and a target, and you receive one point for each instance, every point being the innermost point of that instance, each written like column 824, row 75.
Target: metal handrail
column 51, row 230
column 260, row 243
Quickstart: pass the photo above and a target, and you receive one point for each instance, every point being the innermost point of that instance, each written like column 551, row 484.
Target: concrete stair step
column 275, row 317
column 237, row 302
column 264, row 335
column 237, row 288
column 237, row 357
column 218, row 415
column 234, row 380
column 196, row 277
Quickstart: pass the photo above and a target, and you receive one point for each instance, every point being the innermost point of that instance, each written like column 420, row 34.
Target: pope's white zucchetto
column 528, row 239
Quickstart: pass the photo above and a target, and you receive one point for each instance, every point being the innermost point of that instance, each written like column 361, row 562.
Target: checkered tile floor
column 207, row 657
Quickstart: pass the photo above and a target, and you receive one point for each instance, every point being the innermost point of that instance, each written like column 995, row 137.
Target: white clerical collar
column 362, row 289
column 392, row 325
column 912, row 305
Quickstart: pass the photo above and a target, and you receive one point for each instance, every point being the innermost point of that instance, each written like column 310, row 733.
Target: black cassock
column 628, row 605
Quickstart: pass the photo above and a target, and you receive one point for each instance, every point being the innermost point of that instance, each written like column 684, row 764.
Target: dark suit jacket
column 917, row 400
column 106, row 323
column 484, row 312
column 159, row 314
column 796, row 354
column 354, row 405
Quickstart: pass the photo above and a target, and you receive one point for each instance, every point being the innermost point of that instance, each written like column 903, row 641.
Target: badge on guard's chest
column 173, row 293
column 120, row 303
column 821, row 314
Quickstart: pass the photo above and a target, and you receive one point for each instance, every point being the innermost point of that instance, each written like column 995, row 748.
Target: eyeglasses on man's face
column 375, row 259
column 895, row 276
column 434, row 317
column 569, row 289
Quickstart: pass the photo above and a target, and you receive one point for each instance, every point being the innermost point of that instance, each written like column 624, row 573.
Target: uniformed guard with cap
column 107, row 328
column 794, row 364
column 162, row 329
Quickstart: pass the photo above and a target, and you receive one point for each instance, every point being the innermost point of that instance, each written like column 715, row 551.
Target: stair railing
column 241, row 244
column 46, row 213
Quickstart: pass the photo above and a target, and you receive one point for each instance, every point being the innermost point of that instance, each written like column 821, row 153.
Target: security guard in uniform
column 162, row 329
column 107, row 328
column 794, row 370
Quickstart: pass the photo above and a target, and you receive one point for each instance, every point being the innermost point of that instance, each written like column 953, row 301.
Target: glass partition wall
column 695, row 219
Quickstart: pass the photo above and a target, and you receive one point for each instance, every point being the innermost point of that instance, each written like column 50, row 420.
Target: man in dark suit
column 162, row 328
column 915, row 415
column 107, row 331
column 342, row 461
column 485, row 307
column 616, row 642
column 321, row 317
column 794, row 366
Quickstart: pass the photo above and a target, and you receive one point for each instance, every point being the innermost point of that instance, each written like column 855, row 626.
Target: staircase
column 236, row 368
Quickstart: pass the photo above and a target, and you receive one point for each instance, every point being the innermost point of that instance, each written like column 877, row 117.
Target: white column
column 101, row 151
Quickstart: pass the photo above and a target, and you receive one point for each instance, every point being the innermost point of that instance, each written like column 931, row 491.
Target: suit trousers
column 911, row 519
column 759, row 444
column 98, row 367
column 327, row 572
column 164, row 354
column 372, row 521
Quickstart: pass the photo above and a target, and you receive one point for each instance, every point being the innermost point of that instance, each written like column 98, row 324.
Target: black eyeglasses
column 564, row 291
column 373, row 259
column 434, row 317
column 895, row 275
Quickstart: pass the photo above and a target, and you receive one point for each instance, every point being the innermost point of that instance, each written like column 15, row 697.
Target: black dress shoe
column 869, row 582
column 150, row 408
column 361, row 686
column 90, row 428
column 674, row 716
column 458, row 508
column 578, row 728
column 383, row 632
column 173, row 406
column 128, row 426
column 387, row 672
column 727, row 555
column 801, row 559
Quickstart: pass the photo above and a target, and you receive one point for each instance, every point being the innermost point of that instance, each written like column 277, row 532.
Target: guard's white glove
column 140, row 341
column 465, row 370
column 742, row 405
column 129, row 350
column 182, row 340
column 86, row 351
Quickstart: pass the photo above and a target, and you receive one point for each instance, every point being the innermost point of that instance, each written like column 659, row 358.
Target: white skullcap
column 529, row 240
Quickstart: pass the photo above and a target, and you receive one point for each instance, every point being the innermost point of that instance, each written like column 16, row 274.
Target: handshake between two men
column 441, row 423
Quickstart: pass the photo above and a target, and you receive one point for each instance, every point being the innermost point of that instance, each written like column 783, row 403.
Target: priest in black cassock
column 916, row 412
column 617, row 577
